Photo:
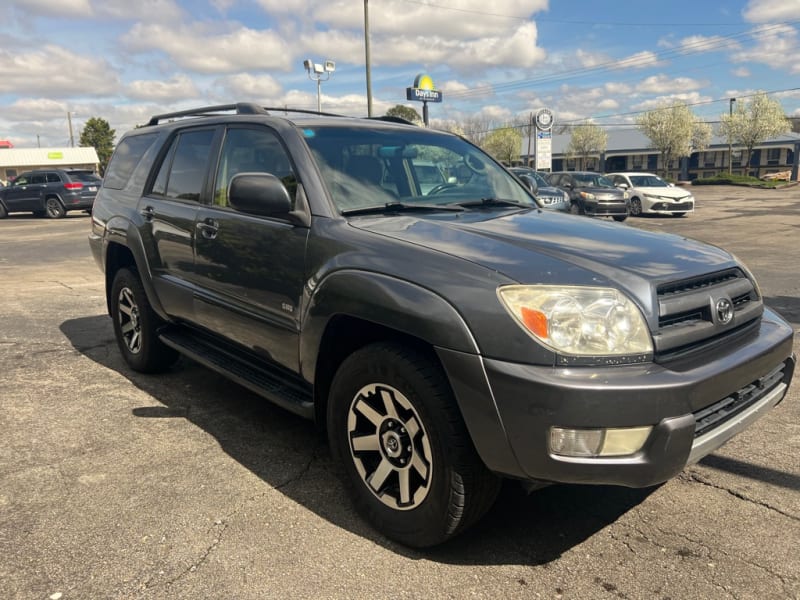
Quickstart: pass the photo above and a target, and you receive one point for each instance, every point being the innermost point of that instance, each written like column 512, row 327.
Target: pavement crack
column 301, row 473
column 694, row 477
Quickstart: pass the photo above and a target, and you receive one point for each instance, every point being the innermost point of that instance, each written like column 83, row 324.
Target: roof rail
column 241, row 108
column 285, row 109
column 392, row 119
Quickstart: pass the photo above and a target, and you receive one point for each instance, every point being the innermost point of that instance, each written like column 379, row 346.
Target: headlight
column 625, row 195
column 586, row 195
column 653, row 196
column 579, row 321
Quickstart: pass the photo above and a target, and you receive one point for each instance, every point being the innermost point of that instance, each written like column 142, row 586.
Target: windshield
column 591, row 180
column 648, row 181
column 365, row 167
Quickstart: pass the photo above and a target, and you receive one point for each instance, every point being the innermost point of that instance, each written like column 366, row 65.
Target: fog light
column 588, row 443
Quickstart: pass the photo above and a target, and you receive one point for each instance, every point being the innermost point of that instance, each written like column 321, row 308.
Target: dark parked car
column 444, row 340
column 549, row 196
column 50, row 192
column 592, row 194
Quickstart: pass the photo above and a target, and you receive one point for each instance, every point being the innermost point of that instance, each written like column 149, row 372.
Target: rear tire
column 408, row 459
column 136, row 326
column 53, row 208
column 575, row 209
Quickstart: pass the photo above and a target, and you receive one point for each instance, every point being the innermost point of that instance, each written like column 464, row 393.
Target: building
column 14, row 161
column 630, row 150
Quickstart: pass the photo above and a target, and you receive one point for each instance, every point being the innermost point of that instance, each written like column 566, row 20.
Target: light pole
column 731, row 102
column 71, row 137
column 319, row 73
column 367, row 58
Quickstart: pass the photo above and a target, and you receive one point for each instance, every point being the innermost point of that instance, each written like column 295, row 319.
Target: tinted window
column 188, row 168
column 252, row 151
column 127, row 155
column 53, row 178
column 23, row 179
column 85, row 176
column 38, row 178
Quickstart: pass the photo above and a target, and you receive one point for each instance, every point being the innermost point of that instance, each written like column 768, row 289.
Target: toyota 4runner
column 445, row 339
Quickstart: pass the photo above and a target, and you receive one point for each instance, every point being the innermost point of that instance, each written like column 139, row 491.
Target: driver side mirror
column 622, row 186
column 260, row 194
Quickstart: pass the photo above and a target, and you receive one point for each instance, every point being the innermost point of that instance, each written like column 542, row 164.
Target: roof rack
column 241, row 108
column 285, row 109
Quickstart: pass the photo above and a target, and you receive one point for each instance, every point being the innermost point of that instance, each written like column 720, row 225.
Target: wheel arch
column 351, row 309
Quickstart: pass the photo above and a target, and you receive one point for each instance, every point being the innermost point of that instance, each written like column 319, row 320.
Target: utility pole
column 367, row 58
column 730, row 145
column 71, row 137
column 530, row 134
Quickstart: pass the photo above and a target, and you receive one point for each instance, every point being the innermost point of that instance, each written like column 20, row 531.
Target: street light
column 319, row 73
column 731, row 102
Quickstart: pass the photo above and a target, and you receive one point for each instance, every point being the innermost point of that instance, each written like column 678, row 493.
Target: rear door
column 169, row 210
column 250, row 269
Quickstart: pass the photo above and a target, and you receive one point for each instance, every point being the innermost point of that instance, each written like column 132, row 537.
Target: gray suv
column 445, row 340
column 50, row 192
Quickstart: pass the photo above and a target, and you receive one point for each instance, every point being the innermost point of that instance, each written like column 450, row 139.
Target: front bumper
column 606, row 208
column 667, row 207
column 510, row 408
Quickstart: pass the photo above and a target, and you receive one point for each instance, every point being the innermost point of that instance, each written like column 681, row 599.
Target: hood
column 534, row 246
column 664, row 192
column 547, row 190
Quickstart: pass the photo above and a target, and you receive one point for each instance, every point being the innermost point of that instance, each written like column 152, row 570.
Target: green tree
column 405, row 112
column 586, row 140
column 675, row 131
column 754, row 122
column 504, row 144
column 97, row 133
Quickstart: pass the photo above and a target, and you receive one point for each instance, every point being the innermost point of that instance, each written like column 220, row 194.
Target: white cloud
column 640, row 60
column 775, row 46
column 688, row 98
column 35, row 109
column 703, row 43
column 741, row 72
column 245, row 86
column 660, row 84
column 771, row 11
column 55, row 71
column 205, row 48
column 179, row 87
column 140, row 10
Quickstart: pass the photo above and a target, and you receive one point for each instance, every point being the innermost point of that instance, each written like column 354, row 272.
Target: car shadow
column 524, row 529
column 786, row 306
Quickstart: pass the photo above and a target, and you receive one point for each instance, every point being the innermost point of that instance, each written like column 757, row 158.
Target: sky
column 604, row 60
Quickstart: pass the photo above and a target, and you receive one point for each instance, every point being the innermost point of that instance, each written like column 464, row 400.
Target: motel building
column 15, row 161
column 629, row 150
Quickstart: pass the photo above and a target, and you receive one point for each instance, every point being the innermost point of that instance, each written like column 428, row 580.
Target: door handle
column 208, row 228
column 148, row 212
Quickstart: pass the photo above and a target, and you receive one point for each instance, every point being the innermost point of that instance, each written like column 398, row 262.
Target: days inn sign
column 423, row 90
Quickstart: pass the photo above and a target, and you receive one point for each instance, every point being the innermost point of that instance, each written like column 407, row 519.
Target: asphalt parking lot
column 120, row 485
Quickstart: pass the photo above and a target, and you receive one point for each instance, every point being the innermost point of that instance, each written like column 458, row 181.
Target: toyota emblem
column 724, row 309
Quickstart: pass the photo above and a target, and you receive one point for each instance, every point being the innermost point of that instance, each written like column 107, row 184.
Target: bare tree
column 586, row 140
column 675, row 131
column 476, row 128
column 754, row 122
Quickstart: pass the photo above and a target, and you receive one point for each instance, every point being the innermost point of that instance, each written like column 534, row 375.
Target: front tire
column 575, row 209
column 620, row 218
column 3, row 211
column 53, row 208
column 136, row 326
column 636, row 207
column 396, row 430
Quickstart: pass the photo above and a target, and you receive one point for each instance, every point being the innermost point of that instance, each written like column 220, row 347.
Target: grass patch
column 745, row 180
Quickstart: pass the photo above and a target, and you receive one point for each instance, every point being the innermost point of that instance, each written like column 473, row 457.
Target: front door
column 26, row 193
column 250, row 269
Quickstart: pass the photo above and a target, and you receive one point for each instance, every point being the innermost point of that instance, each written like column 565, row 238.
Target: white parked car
column 650, row 194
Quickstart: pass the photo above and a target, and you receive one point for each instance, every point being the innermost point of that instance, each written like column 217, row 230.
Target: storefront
column 14, row 161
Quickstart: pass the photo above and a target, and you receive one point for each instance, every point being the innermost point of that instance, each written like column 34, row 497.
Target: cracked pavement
column 119, row 485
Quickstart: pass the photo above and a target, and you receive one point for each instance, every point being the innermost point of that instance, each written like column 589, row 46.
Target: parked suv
column 444, row 340
column 592, row 194
column 50, row 192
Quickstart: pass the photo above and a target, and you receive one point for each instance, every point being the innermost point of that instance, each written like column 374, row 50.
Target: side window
column 23, row 179
column 38, row 178
column 126, row 156
column 184, row 167
column 252, row 150
column 53, row 178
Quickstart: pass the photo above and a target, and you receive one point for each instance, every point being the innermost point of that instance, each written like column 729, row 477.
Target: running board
column 280, row 388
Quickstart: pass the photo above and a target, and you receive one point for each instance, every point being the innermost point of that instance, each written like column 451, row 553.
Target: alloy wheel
column 129, row 320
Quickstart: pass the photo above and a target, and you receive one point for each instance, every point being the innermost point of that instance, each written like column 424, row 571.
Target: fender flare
column 383, row 300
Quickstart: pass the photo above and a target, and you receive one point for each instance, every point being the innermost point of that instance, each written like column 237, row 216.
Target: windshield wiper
column 391, row 207
column 491, row 202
